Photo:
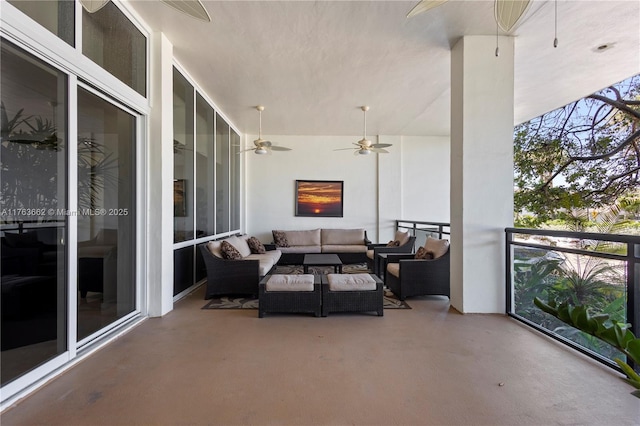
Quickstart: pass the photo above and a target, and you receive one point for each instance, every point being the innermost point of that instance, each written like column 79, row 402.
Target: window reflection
column 33, row 179
column 106, row 225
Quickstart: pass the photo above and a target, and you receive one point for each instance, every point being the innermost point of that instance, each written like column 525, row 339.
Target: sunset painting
column 319, row 198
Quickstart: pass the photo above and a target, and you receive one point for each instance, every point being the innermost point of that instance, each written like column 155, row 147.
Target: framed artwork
column 179, row 198
column 322, row 198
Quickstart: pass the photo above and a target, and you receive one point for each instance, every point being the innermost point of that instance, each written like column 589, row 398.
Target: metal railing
column 597, row 270
column 422, row 229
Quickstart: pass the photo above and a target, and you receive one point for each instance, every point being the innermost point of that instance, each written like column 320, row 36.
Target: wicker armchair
column 418, row 277
column 373, row 263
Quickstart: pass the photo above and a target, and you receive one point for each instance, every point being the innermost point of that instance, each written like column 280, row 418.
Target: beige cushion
column 394, row 269
column 344, row 248
column 370, row 254
column 303, row 238
column 214, row 248
column 401, row 237
column 240, row 243
column 301, row 249
column 437, row 247
column 351, row 282
column 302, row 282
column 342, row 236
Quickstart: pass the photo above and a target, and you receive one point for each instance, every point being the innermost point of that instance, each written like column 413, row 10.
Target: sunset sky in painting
column 319, row 198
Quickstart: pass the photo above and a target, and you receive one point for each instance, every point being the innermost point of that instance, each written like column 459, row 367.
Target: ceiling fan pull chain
column 555, row 40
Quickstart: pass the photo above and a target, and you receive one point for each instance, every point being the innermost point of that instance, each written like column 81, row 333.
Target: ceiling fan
column 263, row 146
column 507, row 12
column 193, row 8
column 364, row 145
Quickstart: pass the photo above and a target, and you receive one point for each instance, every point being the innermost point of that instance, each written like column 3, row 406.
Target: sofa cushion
column 255, row 245
column 301, row 249
column 394, row 269
column 280, row 238
column 240, row 243
column 370, row 254
column 351, row 282
column 214, row 248
column 266, row 260
column 344, row 248
column 296, row 282
column 342, row 236
column 436, row 247
column 229, row 251
column 303, row 238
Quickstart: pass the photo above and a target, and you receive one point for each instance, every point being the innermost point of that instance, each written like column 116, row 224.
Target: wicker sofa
column 235, row 276
column 349, row 244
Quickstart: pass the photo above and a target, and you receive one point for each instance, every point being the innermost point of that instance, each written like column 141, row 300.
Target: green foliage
column 583, row 155
column 602, row 326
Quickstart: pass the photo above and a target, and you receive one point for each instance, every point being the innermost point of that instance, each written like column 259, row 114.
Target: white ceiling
column 313, row 63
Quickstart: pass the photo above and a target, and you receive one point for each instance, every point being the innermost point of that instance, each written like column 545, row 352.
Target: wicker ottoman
column 290, row 293
column 352, row 293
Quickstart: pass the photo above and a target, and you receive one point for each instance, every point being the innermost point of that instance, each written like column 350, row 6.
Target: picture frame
column 319, row 198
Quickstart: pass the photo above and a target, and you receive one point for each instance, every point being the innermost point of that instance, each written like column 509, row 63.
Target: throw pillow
column 229, row 251
column 393, row 243
column 422, row 253
column 280, row 238
column 256, row 246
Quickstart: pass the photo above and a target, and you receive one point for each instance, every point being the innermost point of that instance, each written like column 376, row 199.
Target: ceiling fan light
column 364, row 152
column 261, row 151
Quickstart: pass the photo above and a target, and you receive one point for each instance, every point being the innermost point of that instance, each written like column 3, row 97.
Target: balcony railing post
column 509, row 289
column 633, row 296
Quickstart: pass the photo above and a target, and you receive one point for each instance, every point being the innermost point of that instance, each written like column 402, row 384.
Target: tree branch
column 622, row 106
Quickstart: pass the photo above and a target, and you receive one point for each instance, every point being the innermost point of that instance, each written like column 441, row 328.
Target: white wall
column 270, row 183
column 425, row 178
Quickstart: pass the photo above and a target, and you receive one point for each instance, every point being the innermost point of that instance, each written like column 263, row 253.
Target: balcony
column 426, row 365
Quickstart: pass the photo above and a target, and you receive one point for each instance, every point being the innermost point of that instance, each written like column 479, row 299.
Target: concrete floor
column 428, row 365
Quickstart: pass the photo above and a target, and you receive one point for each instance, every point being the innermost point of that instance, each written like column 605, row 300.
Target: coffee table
column 322, row 259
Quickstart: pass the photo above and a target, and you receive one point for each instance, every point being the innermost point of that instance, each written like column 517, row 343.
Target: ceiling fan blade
column 280, row 148
column 380, row 151
column 424, row 6
column 345, row 149
column 245, row 150
column 193, row 8
column 509, row 12
column 381, row 145
column 92, row 6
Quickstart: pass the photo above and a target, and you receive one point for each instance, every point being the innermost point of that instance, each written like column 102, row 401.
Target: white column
column 160, row 179
column 481, row 171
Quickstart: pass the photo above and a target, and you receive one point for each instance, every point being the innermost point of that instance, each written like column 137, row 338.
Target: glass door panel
column 222, row 175
column 33, row 222
column 106, row 219
column 205, row 178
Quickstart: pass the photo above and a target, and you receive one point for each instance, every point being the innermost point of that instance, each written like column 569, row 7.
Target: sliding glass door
column 33, row 153
column 106, row 219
